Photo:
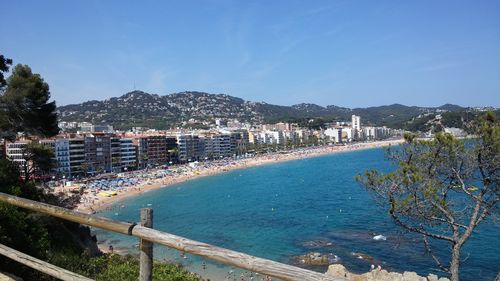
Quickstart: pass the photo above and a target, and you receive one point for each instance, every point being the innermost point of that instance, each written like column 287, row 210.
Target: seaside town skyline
column 94, row 149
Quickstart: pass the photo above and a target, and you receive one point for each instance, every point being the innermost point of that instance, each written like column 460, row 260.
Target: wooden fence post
column 146, row 247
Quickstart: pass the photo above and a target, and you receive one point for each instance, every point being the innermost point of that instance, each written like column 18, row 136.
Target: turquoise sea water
column 291, row 208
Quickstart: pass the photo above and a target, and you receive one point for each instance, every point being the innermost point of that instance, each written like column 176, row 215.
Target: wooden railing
column 149, row 236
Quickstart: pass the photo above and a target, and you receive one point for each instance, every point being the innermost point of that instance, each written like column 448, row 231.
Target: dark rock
column 317, row 259
column 316, row 244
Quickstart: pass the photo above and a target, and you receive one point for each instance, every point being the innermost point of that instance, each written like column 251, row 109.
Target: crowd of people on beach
column 98, row 193
column 246, row 276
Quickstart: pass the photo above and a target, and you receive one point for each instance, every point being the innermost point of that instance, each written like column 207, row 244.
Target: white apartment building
column 356, row 123
column 333, row 134
column 356, row 127
column 342, row 134
column 369, row 133
column 127, row 153
column 291, row 137
column 303, row 135
column 377, row 133
column 15, row 152
column 218, row 146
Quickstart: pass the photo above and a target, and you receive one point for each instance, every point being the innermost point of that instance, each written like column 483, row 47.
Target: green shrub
column 110, row 267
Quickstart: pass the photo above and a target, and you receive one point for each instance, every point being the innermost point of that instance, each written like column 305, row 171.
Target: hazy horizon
column 344, row 53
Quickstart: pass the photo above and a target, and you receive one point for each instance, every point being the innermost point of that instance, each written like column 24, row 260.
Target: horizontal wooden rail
column 69, row 215
column 241, row 260
column 41, row 266
column 229, row 257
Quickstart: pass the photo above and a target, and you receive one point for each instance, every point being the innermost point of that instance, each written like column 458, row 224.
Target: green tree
column 443, row 188
column 84, row 169
column 9, row 177
column 4, row 67
column 38, row 160
column 116, row 164
column 25, row 105
column 143, row 160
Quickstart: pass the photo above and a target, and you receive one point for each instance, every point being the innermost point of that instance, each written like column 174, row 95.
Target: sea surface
column 283, row 210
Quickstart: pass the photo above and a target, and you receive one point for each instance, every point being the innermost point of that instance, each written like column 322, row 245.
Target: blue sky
column 347, row 53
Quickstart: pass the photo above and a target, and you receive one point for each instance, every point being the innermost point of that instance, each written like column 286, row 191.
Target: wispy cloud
column 318, row 10
column 438, row 66
column 302, row 16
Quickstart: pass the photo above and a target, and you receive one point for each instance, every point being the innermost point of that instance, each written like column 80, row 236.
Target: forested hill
column 138, row 108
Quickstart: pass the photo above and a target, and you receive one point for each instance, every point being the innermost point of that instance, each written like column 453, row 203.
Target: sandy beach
column 92, row 200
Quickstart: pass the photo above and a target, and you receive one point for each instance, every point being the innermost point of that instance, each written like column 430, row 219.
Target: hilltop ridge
column 138, row 108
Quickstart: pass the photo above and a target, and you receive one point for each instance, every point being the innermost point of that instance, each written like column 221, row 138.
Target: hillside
column 138, row 108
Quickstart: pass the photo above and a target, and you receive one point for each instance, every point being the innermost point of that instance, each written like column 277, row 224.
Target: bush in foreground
column 123, row 268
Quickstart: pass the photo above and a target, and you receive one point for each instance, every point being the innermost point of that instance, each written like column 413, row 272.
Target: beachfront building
column 356, row 127
column 268, row 137
column 338, row 134
column 218, row 146
column 333, row 134
column 76, row 156
column 15, row 153
column 239, row 142
column 171, row 143
column 369, row 133
column 116, row 154
column 356, row 122
column 51, row 144
column 383, row 133
column 245, row 135
column 62, row 157
column 190, row 148
column 303, row 135
column 347, row 134
column 252, row 137
column 154, row 150
column 273, row 137
column 128, row 156
column 291, row 137
column 97, row 153
column 377, row 133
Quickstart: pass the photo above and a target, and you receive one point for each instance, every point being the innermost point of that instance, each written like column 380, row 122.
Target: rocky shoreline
column 377, row 274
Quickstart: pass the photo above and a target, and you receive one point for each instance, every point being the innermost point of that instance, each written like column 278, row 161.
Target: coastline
column 91, row 203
